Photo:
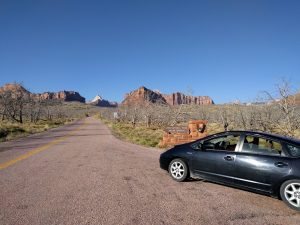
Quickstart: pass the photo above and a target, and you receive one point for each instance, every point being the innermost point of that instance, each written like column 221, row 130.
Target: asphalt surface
column 87, row 176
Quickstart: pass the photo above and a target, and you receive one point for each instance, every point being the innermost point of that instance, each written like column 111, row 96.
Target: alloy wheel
column 292, row 194
column 177, row 170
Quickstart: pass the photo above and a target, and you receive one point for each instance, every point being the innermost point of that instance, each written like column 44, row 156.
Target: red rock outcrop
column 61, row 95
column 179, row 98
column 144, row 95
column 13, row 87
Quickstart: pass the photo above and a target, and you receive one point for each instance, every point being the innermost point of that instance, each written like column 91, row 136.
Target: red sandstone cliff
column 144, row 95
column 179, row 98
column 13, row 87
column 61, row 95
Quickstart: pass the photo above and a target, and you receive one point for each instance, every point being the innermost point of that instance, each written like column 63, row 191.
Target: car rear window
column 293, row 150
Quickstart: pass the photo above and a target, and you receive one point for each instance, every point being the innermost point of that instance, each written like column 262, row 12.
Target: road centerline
column 41, row 148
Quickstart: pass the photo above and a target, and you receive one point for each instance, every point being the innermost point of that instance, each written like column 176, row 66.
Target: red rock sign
column 195, row 130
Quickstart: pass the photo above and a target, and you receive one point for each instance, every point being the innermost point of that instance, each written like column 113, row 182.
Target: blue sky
column 225, row 49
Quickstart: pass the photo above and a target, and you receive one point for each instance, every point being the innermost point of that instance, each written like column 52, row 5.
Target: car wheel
column 290, row 193
column 178, row 170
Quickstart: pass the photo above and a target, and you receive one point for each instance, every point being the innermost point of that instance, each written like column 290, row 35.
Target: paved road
column 81, row 174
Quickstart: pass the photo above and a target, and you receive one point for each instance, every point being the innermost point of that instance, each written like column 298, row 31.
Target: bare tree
column 13, row 103
column 288, row 122
column 224, row 117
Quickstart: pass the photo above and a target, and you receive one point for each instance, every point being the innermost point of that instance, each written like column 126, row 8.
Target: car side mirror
column 206, row 146
column 199, row 146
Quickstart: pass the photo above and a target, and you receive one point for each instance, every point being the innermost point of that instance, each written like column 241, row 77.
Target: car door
column 215, row 158
column 261, row 163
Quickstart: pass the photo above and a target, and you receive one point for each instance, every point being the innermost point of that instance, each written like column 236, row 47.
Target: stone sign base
column 195, row 130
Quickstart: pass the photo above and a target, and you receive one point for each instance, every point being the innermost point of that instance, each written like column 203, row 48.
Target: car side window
column 259, row 145
column 224, row 143
column 293, row 150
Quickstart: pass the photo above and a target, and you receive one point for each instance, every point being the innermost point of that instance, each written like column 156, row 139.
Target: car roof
column 265, row 134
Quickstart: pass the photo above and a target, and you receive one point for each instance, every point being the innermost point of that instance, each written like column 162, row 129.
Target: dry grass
column 213, row 128
column 149, row 137
column 10, row 131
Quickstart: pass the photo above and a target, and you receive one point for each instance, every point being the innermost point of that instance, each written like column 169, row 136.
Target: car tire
column 290, row 193
column 178, row 170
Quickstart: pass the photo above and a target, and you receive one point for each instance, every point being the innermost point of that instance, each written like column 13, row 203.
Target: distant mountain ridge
column 179, row 98
column 141, row 96
column 13, row 87
column 67, row 96
column 144, row 95
column 99, row 101
column 60, row 95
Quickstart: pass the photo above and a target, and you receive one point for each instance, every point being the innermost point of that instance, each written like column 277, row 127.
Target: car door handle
column 229, row 158
column 281, row 164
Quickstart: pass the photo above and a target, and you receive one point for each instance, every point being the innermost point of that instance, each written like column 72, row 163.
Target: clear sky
column 225, row 49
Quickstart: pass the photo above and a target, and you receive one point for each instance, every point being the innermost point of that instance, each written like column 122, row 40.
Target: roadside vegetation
column 277, row 113
column 10, row 130
column 22, row 114
column 139, row 134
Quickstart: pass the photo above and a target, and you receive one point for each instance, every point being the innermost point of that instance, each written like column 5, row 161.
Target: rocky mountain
column 99, row 101
column 180, row 98
column 143, row 95
column 13, row 87
column 96, row 99
column 67, row 96
column 61, row 95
